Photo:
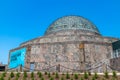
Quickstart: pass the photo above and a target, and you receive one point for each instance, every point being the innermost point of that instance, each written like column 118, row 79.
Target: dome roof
column 71, row 22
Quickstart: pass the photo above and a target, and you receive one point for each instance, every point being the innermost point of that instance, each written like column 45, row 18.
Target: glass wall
column 116, row 53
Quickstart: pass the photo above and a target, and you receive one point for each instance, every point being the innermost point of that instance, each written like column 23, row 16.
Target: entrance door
column 32, row 66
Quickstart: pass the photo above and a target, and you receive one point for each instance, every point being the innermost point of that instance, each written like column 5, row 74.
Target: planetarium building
column 71, row 43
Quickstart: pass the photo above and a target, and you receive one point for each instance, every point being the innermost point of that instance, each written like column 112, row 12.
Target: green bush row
column 67, row 75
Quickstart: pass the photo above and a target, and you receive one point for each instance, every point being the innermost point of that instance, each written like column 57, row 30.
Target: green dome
column 71, row 23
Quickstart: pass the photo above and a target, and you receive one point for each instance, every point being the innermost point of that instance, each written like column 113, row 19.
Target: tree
column 12, row 75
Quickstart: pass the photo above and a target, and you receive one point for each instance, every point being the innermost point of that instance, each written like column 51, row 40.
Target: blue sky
column 22, row 20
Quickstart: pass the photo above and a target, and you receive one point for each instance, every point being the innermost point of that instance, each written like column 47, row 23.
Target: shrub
column 42, row 78
column 89, row 73
column 62, row 78
column 67, row 76
column 45, row 73
column 93, row 78
column 49, row 75
column 12, row 75
column 81, row 78
column 114, row 78
column 56, row 75
column 114, row 74
column 85, row 75
column 95, row 75
column 18, row 74
column 4, row 74
column 106, row 75
column 32, row 78
column 32, row 74
column 76, row 76
column 51, row 78
column 40, row 74
column 25, row 74
column 16, row 78
column 24, row 78
column 1, row 78
column 9, row 78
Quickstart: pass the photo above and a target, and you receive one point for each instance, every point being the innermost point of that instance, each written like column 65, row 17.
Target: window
column 118, row 52
column 114, row 54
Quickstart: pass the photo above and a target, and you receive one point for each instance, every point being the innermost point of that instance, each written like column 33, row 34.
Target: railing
column 62, row 68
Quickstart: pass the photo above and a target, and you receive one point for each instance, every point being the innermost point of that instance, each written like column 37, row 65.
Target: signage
column 17, row 58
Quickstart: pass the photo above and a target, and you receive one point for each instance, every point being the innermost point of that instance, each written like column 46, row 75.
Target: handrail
column 95, row 66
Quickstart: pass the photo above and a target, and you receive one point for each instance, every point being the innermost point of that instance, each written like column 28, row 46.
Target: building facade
column 71, row 43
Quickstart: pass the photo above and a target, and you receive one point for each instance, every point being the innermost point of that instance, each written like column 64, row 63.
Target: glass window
column 118, row 52
column 114, row 54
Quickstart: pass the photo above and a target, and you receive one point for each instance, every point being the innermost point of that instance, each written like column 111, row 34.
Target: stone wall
column 70, row 56
column 62, row 48
column 70, row 35
column 115, row 63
